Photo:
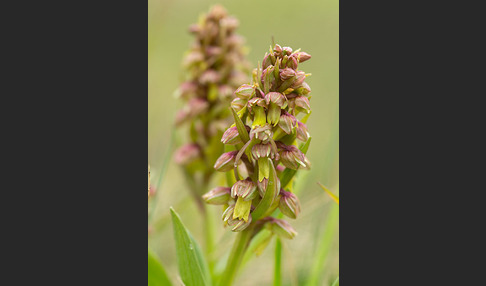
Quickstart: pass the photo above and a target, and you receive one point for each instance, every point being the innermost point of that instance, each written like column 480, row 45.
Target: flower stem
column 277, row 278
column 236, row 256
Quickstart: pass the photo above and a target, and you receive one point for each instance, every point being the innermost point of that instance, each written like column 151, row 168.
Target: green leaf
column 323, row 247
column 277, row 275
column 336, row 282
column 333, row 196
column 272, row 191
column 288, row 174
column 193, row 269
column 257, row 245
column 240, row 126
column 156, row 273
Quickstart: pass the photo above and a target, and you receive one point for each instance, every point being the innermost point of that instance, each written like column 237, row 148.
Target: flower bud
column 197, row 106
column 256, row 101
column 266, row 61
column 289, row 204
column 278, row 50
column 263, row 133
column 187, row 89
column 302, row 133
column 187, row 154
column 275, row 97
column 303, row 56
column 226, row 162
column 299, row 80
column 287, row 73
column 231, row 136
column 228, row 213
column 239, row 224
column 237, row 104
column 193, row 57
column 302, row 104
column 287, row 122
column 291, row 157
column 245, row 91
column 209, row 76
column 217, row 196
column 282, row 228
column 287, row 50
column 262, row 187
column 304, row 89
column 245, row 189
column 230, row 23
column 261, row 150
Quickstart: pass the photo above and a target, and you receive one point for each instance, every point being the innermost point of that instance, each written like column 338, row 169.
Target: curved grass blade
column 324, row 246
column 156, row 272
column 272, row 191
column 193, row 268
column 333, row 196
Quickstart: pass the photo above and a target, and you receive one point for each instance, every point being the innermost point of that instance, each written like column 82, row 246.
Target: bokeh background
column 307, row 24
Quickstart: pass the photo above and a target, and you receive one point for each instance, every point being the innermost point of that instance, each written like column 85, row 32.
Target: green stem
column 236, row 256
column 277, row 278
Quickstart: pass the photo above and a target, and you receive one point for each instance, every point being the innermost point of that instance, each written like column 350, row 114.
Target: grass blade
column 333, row 196
column 336, row 282
column 324, row 246
column 156, row 272
column 193, row 268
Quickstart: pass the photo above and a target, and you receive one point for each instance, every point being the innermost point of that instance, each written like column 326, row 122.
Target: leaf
column 277, row 275
column 156, row 273
column 272, row 190
column 288, row 174
column 323, row 247
column 240, row 126
column 192, row 266
column 336, row 282
column 333, row 196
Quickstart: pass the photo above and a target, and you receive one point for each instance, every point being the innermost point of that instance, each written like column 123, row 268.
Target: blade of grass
column 333, row 196
column 336, row 282
column 324, row 246
column 193, row 269
column 156, row 272
column 277, row 277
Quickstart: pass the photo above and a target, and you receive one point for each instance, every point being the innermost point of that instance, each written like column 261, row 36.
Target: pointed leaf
column 333, row 196
column 156, row 273
column 240, row 126
column 272, row 191
column 193, row 269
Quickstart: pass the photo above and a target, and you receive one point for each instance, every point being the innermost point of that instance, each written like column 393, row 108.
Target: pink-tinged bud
column 277, row 49
column 218, row 196
column 231, row 136
column 226, row 162
column 299, row 80
column 262, row 186
column 261, row 151
column 289, row 204
column 197, row 106
column 217, row 13
column 245, row 189
column 293, row 63
column 213, row 50
column 303, row 56
column 228, row 213
column 187, row 154
column 291, row 157
column 275, row 97
column 239, row 224
column 287, row 122
column 230, row 23
column 237, row 104
column 302, row 132
column 245, row 91
column 209, row 76
column 287, row 50
column 181, row 117
column 280, row 168
column 263, row 133
column 194, row 29
column 267, row 61
column 282, row 228
column 193, row 57
column 287, row 73
column 256, row 101
column 304, row 89
column 187, row 89
column 302, row 104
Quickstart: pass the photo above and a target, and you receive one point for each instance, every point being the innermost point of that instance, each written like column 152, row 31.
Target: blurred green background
column 310, row 25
